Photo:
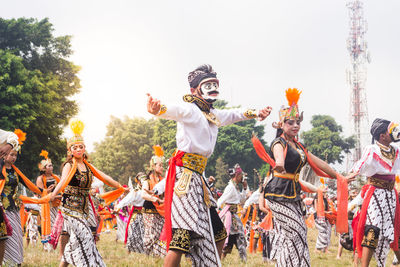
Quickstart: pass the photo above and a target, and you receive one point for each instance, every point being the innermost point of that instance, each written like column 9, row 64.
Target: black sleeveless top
column 281, row 189
column 76, row 193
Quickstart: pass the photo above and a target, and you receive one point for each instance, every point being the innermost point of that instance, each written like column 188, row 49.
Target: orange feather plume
column 322, row 180
column 292, row 96
column 44, row 154
column 158, row 151
column 21, row 136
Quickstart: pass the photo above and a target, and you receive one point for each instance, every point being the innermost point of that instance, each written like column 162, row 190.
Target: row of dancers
column 182, row 208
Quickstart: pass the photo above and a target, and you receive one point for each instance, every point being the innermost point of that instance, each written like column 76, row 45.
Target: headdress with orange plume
column 77, row 127
column 21, row 138
column 42, row 164
column 158, row 156
column 292, row 111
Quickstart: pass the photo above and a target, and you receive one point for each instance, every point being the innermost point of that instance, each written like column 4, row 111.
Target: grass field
column 114, row 254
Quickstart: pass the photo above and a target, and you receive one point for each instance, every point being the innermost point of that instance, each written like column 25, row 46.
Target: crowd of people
column 175, row 211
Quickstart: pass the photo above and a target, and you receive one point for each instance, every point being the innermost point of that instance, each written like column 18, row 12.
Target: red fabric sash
column 367, row 192
column 342, row 191
column 176, row 160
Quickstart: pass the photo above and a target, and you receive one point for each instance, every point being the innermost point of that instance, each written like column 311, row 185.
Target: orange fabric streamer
column 108, row 197
column 320, row 203
column 246, row 217
column 260, row 245
column 266, row 223
column 260, row 150
column 45, row 212
column 111, row 196
column 24, row 216
column 253, row 219
column 310, row 221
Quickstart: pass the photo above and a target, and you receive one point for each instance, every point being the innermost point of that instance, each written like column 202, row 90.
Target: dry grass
column 114, row 254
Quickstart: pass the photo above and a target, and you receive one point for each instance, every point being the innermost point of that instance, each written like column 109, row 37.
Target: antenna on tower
column 357, row 75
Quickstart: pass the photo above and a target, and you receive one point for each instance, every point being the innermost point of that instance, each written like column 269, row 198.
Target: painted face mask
column 209, row 91
column 394, row 131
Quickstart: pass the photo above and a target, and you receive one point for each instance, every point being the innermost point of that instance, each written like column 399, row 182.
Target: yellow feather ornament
column 76, row 126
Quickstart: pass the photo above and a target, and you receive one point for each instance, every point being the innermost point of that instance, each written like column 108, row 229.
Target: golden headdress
column 21, row 138
column 158, row 156
column 42, row 164
column 292, row 111
column 77, row 127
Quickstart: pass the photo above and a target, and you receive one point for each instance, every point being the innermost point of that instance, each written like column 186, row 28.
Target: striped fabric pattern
column 153, row 225
column 14, row 250
column 289, row 244
column 324, row 233
column 190, row 212
column 81, row 249
column 135, row 234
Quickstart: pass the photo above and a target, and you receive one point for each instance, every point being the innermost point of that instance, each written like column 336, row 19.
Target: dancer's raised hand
column 153, row 105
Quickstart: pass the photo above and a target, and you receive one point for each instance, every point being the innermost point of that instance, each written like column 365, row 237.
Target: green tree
column 234, row 146
column 126, row 149
column 36, row 83
column 325, row 139
column 221, row 174
column 164, row 135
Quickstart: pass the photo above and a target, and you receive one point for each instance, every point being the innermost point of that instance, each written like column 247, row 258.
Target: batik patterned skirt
column 190, row 212
column 153, row 225
column 324, row 233
column 121, row 228
column 135, row 234
column 14, row 250
column 32, row 228
column 53, row 215
column 289, row 244
column 81, row 248
column 380, row 220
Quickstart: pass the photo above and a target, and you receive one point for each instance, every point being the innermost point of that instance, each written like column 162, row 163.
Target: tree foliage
column 221, row 174
column 126, row 149
column 325, row 139
column 36, row 83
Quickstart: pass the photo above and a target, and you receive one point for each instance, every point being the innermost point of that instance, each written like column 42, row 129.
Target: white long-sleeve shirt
column 132, row 198
column 159, row 188
column 232, row 195
column 8, row 138
column 372, row 162
column 253, row 199
column 195, row 134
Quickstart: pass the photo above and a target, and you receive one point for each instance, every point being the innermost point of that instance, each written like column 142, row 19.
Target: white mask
column 395, row 134
column 209, row 91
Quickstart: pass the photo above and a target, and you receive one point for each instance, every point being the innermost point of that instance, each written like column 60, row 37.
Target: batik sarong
column 153, row 225
column 81, row 249
column 135, row 234
column 14, row 250
column 289, row 245
column 190, row 212
column 324, row 233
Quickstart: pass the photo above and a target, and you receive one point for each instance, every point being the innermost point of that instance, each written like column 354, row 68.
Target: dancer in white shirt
column 232, row 197
column 189, row 206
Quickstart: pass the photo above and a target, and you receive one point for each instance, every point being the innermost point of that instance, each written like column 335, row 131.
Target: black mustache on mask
column 213, row 92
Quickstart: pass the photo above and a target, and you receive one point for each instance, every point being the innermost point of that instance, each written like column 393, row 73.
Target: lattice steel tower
column 357, row 76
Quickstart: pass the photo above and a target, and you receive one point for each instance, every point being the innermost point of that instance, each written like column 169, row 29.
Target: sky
column 258, row 48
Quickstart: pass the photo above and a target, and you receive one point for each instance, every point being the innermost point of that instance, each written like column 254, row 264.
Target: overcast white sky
column 258, row 48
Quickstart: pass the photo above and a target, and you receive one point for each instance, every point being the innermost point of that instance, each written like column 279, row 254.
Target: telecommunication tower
column 357, row 76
